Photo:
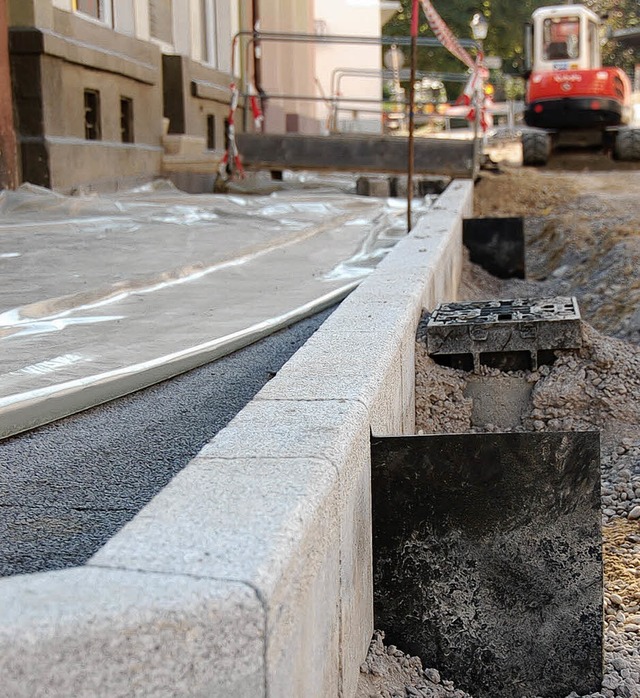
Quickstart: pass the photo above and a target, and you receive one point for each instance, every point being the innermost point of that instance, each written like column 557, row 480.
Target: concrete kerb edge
column 100, row 632
column 383, row 312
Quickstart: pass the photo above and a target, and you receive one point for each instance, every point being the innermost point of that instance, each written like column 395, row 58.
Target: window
column 98, row 9
column 209, row 23
column 161, row 20
column 92, row 130
column 594, row 45
column 217, row 26
column 126, row 120
column 561, row 38
column 211, row 132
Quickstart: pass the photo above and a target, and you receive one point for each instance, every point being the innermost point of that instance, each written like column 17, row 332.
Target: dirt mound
column 522, row 192
column 583, row 239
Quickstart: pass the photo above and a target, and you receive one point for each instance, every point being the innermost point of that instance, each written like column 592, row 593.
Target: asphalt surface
column 67, row 487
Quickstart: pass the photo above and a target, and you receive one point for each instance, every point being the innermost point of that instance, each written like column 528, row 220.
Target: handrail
column 338, row 73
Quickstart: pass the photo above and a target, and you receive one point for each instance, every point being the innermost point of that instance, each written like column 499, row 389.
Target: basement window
column 126, row 119
column 92, row 129
column 211, row 132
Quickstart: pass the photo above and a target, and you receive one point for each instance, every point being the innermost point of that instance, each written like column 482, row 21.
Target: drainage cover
column 507, row 334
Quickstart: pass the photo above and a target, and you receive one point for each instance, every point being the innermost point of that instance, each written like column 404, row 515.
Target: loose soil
column 583, row 239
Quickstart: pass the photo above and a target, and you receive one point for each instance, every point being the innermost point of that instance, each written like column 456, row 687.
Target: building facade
column 310, row 70
column 111, row 93
column 102, row 89
column 351, row 72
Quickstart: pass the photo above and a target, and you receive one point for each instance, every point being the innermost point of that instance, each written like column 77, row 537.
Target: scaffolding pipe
column 293, row 37
column 312, row 98
column 338, row 73
column 412, row 92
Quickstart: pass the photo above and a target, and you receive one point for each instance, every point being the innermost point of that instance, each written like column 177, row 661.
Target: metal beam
column 301, row 37
column 355, row 153
column 487, row 558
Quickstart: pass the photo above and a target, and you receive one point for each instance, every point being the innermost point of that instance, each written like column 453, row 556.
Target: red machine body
column 575, row 99
column 568, row 88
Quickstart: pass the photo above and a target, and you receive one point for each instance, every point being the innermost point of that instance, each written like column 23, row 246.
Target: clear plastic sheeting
column 102, row 295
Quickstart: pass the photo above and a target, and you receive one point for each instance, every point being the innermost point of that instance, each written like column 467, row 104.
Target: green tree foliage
column 457, row 16
column 505, row 38
column 622, row 14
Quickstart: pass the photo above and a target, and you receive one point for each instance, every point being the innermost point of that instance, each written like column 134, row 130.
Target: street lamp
column 479, row 27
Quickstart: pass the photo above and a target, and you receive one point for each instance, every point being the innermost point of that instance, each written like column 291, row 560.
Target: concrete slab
column 361, row 366
column 270, row 523
column 338, row 432
column 257, row 507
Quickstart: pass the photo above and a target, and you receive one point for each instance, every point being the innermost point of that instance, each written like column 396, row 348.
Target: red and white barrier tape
column 445, row 36
column 479, row 73
column 231, row 163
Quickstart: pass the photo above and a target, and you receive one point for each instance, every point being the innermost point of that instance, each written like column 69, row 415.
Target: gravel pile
column 597, row 387
column 583, row 239
column 390, row 673
column 603, row 270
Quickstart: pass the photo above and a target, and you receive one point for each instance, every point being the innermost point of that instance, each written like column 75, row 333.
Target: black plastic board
column 487, row 558
column 497, row 245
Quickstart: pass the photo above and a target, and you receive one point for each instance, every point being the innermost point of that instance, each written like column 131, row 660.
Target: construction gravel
column 584, row 240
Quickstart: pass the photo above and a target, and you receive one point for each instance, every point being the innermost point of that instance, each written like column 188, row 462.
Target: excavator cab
column 571, row 98
column 563, row 37
column 566, row 40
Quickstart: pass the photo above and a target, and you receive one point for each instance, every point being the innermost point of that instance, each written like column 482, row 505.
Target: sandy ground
column 583, row 239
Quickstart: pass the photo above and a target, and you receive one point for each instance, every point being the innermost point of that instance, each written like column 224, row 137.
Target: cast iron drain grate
column 510, row 334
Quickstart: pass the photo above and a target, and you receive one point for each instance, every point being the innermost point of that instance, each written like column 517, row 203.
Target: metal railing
column 335, row 102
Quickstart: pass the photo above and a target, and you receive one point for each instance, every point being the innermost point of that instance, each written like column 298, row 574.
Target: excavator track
column 627, row 145
column 541, row 148
column 536, row 147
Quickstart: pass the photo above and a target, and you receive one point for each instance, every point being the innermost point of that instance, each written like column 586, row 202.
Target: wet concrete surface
column 66, row 488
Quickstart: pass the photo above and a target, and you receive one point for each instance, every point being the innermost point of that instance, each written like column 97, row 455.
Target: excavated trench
column 583, row 239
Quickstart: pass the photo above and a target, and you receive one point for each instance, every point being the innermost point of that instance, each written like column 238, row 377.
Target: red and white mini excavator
column 571, row 99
